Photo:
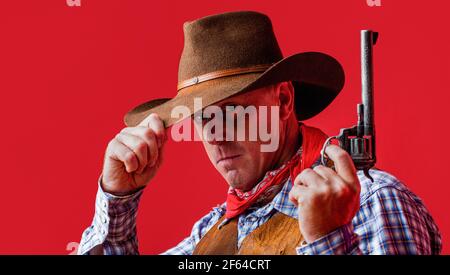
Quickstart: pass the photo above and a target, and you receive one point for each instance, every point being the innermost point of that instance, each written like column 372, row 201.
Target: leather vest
column 280, row 235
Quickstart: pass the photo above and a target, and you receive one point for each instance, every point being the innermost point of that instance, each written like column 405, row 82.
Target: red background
column 68, row 74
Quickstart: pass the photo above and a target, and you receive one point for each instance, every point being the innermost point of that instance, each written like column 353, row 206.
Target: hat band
column 222, row 73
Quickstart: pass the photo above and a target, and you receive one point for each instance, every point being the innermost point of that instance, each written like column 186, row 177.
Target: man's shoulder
column 383, row 182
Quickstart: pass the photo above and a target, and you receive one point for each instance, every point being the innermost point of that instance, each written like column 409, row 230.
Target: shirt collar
column 281, row 202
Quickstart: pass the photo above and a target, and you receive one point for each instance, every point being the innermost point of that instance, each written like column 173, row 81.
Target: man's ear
column 285, row 94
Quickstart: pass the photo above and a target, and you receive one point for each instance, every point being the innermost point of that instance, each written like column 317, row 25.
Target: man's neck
column 290, row 144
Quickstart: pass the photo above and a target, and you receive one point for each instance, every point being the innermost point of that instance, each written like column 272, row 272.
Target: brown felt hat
column 235, row 52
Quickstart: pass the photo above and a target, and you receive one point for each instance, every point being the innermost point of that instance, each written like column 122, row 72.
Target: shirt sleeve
column 342, row 241
column 113, row 229
column 391, row 221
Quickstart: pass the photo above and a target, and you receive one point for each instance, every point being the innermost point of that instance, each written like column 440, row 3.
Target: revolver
column 359, row 140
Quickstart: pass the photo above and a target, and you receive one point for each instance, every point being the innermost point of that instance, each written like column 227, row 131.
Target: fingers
column 124, row 154
column 147, row 135
column 342, row 162
column 154, row 122
column 138, row 146
column 145, row 140
column 297, row 193
column 308, row 177
column 313, row 182
column 325, row 172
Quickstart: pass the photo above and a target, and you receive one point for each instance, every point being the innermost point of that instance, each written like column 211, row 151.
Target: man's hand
column 326, row 199
column 133, row 157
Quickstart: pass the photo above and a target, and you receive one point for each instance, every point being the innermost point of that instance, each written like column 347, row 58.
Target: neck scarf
column 312, row 142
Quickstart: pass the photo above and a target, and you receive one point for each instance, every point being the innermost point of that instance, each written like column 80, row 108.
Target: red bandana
column 313, row 140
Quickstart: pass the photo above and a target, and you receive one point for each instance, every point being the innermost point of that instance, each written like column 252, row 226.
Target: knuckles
column 148, row 133
column 294, row 194
column 343, row 191
column 301, row 178
column 318, row 168
column 307, row 171
column 156, row 124
column 141, row 146
column 124, row 130
column 333, row 188
column 130, row 158
column 112, row 143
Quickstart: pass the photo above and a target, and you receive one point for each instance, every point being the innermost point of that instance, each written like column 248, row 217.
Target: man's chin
column 231, row 177
column 235, row 180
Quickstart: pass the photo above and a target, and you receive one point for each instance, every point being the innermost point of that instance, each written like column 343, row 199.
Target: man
column 280, row 201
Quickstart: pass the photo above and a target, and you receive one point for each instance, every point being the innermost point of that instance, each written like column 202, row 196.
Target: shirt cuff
column 114, row 220
column 342, row 241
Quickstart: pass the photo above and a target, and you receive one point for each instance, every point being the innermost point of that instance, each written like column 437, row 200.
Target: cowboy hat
column 235, row 52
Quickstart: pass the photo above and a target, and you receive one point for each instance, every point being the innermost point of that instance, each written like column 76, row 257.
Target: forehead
column 261, row 96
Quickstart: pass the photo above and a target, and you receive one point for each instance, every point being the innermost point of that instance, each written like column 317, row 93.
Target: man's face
column 241, row 163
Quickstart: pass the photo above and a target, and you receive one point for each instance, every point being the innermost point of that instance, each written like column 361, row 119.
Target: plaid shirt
column 391, row 220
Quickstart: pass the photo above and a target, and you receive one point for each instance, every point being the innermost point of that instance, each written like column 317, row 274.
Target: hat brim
column 317, row 78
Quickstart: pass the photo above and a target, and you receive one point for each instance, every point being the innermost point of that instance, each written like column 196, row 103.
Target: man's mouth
column 227, row 160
